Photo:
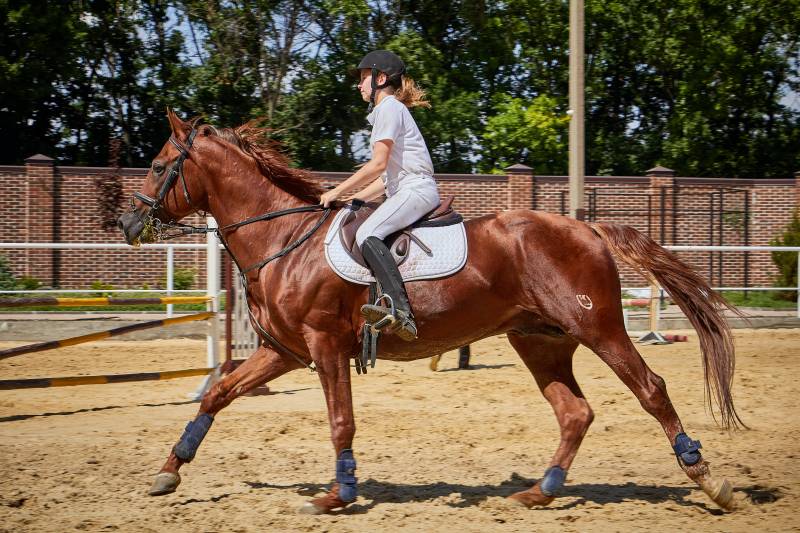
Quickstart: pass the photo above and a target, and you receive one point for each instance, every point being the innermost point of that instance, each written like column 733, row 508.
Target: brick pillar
column 42, row 264
column 520, row 187
column 662, row 183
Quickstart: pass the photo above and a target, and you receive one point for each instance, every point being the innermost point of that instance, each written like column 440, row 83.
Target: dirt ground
column 436, row 451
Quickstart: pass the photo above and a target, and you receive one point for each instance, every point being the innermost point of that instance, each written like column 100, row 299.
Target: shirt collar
column 371, row 116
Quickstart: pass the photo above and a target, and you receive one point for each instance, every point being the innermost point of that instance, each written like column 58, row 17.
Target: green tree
column 692, row 85
column 533, row 132
column 698, row 86
column 37, row 64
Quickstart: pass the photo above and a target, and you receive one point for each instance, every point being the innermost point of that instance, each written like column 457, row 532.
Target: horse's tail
column 696, row 299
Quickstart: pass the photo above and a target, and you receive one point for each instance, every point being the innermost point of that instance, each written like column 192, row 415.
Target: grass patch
column 764, row 299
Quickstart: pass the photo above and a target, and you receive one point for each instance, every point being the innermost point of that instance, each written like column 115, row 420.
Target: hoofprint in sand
column 436, row 451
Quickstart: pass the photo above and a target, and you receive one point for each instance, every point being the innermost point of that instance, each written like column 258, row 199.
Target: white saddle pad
column 448, row 245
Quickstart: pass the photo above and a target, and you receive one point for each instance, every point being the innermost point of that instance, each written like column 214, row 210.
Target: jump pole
column 72, row 341
column 49, row 301
column 653, row 336
column 40, row 383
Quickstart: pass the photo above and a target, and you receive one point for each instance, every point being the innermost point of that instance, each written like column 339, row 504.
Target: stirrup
column 379, row 316
column 398, row 322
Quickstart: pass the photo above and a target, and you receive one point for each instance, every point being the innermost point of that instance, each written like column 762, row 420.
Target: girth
column 399, row 242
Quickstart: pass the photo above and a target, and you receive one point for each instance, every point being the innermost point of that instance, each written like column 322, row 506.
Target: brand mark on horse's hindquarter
column 584, row 300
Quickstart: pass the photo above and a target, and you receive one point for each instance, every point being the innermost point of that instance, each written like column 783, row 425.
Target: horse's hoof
column 311, row 509
column 721, row 492
column 165, row 483
column 514, row 502
column 530, row 498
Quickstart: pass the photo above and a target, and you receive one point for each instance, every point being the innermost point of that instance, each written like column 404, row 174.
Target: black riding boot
column 380, row 260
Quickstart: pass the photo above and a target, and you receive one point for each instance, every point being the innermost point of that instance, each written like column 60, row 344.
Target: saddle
column 399, row 243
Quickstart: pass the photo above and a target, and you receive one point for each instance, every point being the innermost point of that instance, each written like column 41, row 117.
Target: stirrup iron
column 388, row 319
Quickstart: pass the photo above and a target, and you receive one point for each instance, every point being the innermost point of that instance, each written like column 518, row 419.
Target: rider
column 401, row 167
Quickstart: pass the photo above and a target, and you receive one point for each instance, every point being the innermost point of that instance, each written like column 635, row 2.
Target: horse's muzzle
column 131, row 226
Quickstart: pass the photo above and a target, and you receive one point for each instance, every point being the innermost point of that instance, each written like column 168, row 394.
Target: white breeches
column 417, row 197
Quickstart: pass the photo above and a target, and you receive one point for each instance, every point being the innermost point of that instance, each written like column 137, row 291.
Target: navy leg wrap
column 192, row 436
column 346, row 476
column 553, row 481
column 686, row 449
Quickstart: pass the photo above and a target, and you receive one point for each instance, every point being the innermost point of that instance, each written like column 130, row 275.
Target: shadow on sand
column 476, row 367
column 377, row 492
column 14, row 418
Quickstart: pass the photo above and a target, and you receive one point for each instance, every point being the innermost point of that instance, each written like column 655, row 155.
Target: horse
column 549, row 282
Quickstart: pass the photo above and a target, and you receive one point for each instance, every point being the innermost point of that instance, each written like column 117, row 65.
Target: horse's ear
column 180, row 129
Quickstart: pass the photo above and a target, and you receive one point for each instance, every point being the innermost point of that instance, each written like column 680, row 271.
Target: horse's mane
column 255, row 142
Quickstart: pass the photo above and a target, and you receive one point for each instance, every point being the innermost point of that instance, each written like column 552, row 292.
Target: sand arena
column 436, row 451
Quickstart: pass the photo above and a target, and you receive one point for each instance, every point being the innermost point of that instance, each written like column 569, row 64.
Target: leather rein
column 172, row 230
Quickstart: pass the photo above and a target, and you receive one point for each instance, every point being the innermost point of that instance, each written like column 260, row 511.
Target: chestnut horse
column 546, row 281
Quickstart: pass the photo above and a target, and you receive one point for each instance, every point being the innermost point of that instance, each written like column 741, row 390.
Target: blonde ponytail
column 410, row 94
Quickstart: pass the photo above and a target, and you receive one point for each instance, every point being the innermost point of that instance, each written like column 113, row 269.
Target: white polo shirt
column 409, row 157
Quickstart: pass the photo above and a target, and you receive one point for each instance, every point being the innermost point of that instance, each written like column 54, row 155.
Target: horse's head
column 169, row 193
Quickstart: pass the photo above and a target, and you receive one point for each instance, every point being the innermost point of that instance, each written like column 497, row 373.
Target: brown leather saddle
column 399, row 243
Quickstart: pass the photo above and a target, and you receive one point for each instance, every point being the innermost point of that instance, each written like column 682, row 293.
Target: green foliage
column 534, row 133
column 695, row 86
column 703, row 87
column 29, row 283
column 7, row 280
column 761, row 299
column 106, row 289
column 182, row 278
column 787, row 261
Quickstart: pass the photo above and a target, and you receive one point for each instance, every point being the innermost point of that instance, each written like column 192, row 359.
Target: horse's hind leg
column 263, row 366
column 615, row 348
column 550, row 361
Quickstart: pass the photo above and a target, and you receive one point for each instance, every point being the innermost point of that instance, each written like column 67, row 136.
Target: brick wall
column 43, row 202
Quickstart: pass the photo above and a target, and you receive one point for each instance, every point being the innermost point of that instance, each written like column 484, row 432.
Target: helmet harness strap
column 375, row 87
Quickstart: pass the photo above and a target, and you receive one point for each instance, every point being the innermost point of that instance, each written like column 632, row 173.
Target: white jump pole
column 213, row 261
column 170, row 277
column 654, row 336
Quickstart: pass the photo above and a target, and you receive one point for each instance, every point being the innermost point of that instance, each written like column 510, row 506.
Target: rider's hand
column 328, row 198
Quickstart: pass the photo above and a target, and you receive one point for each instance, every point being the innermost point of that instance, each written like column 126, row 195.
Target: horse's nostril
column 119, row 224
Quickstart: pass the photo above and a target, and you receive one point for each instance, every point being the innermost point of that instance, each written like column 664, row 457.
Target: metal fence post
column 170, row 277
column 212, row 290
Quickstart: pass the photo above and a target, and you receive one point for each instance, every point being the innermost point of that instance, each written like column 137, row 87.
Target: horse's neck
column 247, row 195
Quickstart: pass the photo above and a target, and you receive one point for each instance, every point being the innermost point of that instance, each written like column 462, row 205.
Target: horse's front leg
column 334, row 374
column 263, row 366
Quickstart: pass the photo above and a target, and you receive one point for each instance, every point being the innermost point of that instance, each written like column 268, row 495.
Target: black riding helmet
column 386, row 62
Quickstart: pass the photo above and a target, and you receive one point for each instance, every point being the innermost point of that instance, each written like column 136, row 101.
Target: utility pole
column 576, row 123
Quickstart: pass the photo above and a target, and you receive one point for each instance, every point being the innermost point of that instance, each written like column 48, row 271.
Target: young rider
column 399, row 153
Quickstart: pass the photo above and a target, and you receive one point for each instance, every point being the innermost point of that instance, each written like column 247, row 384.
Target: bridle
column 175, row 171
column 173, row 229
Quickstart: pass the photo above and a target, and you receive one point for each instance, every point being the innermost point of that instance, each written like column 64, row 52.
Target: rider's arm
column 371, row 191
column 374, row 168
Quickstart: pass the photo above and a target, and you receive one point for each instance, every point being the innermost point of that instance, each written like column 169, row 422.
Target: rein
column 172, row 230
column 261, row 264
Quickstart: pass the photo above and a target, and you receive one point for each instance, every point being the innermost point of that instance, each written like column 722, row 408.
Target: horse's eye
column 158, row 168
